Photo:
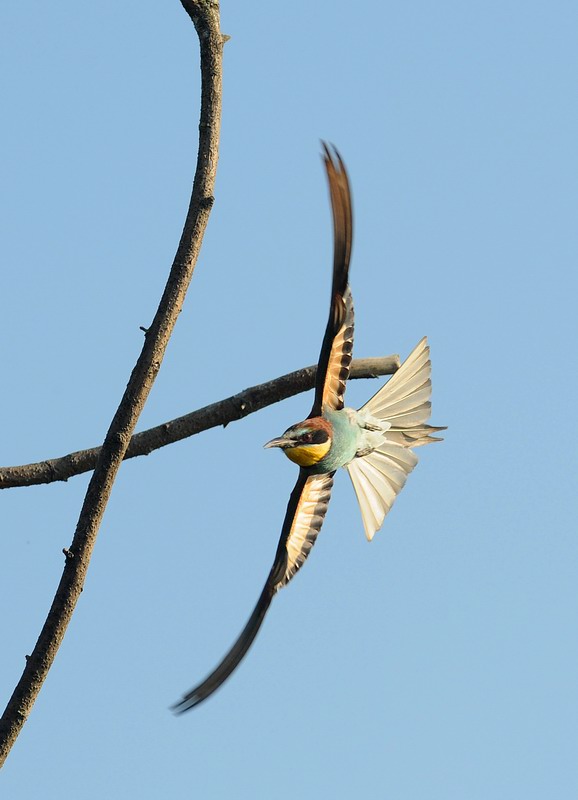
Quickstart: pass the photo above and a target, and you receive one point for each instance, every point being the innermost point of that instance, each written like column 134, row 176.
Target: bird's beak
column 281, row 442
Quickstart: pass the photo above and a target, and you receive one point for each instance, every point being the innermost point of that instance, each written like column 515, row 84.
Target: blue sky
column 437, row 662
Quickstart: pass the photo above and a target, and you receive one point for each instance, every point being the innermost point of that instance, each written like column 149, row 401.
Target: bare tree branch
column 205, row 16
column 221, row 413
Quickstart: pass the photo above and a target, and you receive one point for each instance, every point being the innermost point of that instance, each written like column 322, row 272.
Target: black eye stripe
column 315, row 437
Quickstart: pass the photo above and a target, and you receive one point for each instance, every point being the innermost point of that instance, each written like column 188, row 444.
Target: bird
column 374, row 443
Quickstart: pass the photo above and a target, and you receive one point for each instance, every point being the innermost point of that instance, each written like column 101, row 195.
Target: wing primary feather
column 233, row 658
column 341, row 209
column 335, row 356
column 302, row 527
column 303, row 519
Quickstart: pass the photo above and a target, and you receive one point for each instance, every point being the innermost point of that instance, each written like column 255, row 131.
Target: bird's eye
column 308, row 437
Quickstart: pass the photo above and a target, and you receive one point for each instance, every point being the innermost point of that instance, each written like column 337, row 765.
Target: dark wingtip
column 326, row 156
column 331, row 155
column 233, row 658
column 185, row 704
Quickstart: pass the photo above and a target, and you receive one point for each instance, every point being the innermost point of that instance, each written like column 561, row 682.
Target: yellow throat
column 308, row 454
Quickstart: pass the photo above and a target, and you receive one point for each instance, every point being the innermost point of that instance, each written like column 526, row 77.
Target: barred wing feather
column 335, row 355
column 303, row 520
column 305, row 525
column 339, row 359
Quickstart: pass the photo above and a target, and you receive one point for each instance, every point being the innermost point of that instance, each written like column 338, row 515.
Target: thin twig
column 205, row 16
column 221, row 413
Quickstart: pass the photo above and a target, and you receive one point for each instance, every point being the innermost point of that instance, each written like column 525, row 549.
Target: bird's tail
column 233, row 658
column 403, row 404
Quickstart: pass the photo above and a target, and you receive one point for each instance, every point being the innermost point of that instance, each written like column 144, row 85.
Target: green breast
column 344, row 442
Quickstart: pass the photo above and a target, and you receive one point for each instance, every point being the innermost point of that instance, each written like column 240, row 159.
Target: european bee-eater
column 374, row 444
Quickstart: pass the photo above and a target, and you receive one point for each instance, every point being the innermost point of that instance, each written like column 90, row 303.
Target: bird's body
column 346, row 434
column 374, row 443
column 337, row 433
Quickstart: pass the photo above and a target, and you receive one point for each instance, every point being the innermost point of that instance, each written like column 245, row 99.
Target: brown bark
column 205, row 16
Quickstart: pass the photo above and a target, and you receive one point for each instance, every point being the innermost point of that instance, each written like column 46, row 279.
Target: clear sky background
column 438, row 662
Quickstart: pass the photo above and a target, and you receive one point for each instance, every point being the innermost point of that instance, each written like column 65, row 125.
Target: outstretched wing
column 335, row 357
column 303, row 520
column 305, row 514
column 309, row 499
column 233, row 658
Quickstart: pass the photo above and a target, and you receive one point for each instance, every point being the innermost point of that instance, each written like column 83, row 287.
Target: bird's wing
column 233, row 658
column 335, row 357
column 303, row 520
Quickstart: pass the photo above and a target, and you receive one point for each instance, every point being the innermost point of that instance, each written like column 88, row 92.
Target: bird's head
column 305, row 443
